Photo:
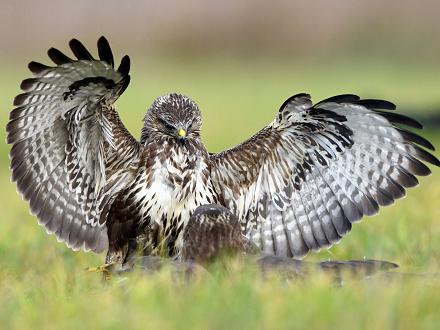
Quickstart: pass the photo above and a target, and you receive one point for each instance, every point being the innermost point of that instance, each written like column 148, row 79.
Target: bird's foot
column 106, row 270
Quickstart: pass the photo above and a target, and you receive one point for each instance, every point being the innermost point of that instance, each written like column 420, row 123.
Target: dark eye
column 167, row 125
column 190, row 125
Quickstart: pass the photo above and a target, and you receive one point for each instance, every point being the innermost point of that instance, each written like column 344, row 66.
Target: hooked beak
column 182, row 134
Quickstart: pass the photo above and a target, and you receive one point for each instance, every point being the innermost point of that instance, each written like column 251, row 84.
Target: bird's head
column 172, row 116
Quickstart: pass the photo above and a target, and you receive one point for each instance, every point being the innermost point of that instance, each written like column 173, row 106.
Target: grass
column 43, row 285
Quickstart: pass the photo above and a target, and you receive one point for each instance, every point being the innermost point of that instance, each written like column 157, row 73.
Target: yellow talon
column 106, row 270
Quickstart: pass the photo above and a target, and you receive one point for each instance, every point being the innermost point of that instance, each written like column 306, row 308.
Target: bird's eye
column 167, row 125
column 190, row 125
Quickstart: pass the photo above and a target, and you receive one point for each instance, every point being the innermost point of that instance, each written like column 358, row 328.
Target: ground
column 43, row 284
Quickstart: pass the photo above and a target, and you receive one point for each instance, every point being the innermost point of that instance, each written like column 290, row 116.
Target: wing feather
column 79, row 50
column 105, row 52
column 300, row 183
column 70, row 152
column 58, row 57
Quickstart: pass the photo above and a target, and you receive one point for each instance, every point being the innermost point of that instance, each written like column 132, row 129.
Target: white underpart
column 168, row 200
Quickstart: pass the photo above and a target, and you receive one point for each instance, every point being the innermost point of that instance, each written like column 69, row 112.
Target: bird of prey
column 296, row 186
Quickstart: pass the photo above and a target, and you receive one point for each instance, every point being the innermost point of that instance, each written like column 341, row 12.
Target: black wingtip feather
column 377, row 104
column 418, row 168
column 37, row 68
column 397, row 118
column 413, row 137
column 10, row 126
column 16, row 113
column 79, row 50
column 104, row 51
column 426, row 156
column 27, row 84
column 343, row 98
column 20, row 98
column 406, row 179
column 58, row 57
column 124, row 67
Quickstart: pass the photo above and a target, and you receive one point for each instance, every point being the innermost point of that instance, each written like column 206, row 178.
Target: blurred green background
column 239, row 60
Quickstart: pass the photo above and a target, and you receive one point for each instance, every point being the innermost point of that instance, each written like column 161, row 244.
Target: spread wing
column 70, row 153
column 300, row 183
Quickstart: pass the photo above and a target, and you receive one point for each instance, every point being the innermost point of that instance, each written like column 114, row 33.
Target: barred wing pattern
column 300, row 183
column 70, row 153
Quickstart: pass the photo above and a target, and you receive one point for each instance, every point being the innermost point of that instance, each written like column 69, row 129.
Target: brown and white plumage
column 297, row 185
column 211, row 231
column 300, row 183
column 71, row 154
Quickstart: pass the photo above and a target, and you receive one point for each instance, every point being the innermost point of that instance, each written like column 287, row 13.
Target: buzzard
column 296, row 186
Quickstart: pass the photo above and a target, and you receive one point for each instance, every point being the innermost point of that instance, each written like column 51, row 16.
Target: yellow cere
column 182, row 133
